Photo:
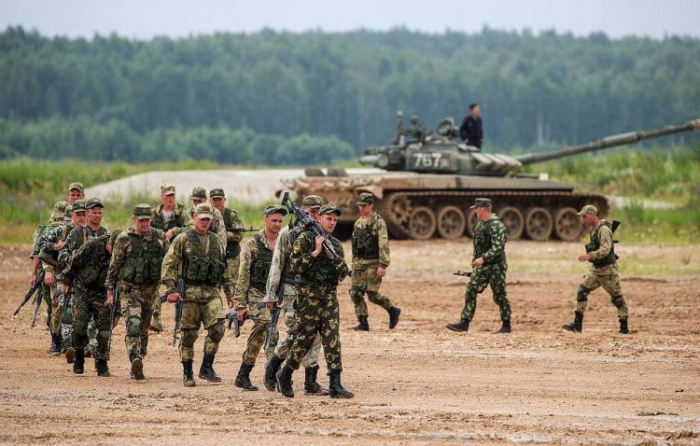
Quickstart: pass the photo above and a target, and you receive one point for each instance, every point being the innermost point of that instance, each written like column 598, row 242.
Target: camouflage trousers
column 89, row 304
column 156, row 309
column 66, row 322
column 55, row 311
column 366, row 280
column 608, row 278
column 231, row 275
column 258, row 334
column 137, row 306
column 319, row 314
column 495, row 276
column 206, row 313
column 291, row 323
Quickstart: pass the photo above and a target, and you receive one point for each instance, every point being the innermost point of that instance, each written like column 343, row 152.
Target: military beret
column 93, row 202
column 365, row 198
column 588, row 209
column 77, row 186
column 329, row 209
column 167, row 189
column 142, row 211
column 78, row 206
column 481, row 203
column 204, row 210
column 275, row 209
column 199, row 193
column 312, row 201
column 216, row 193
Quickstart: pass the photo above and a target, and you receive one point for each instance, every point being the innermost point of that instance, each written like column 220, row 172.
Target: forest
column 278, row 98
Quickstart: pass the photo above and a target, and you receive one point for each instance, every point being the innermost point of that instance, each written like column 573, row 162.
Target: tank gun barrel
column 607, row 142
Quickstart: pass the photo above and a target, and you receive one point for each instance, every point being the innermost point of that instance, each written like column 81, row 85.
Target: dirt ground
column 417, row 384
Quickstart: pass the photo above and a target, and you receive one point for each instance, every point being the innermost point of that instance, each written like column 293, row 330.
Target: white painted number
column 428, row 159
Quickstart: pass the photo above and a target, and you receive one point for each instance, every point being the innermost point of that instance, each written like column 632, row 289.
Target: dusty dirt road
column 416, row 384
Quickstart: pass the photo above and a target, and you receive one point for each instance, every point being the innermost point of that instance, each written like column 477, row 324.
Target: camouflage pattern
column 364, row 271
column 317, row 302
column 233, row 239
column 64, row 326
column 489, row 243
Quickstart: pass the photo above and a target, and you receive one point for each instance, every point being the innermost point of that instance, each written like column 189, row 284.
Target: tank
column 425, row 183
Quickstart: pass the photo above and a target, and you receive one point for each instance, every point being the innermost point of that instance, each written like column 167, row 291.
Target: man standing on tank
column 471, row 131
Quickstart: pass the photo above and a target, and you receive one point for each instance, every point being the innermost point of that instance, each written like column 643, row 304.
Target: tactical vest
column 260, row 269
column 365, row 242
column 93, row 275
column 594, row 245
column 144, row 261
column 233, row 249
column 482, row 242
column 158, row 221
column 287, row 274
column 322, row 273
column 202, row 268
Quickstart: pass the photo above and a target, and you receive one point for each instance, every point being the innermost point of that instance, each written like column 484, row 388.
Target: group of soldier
column 94, row 277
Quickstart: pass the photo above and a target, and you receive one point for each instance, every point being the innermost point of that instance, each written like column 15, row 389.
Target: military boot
column 55, row 348
column 206, row 371
column 394, row 313
column 284, row 381
column 136, row 366
column 336, row 389
column 243, row 378
column 102, row 368
column 459, row 326
column 273, row 365
column 505, row 328
column 577, row 325
column 623, row 326
column 363, row 325
column 311, row 386
column 187, row 374
column 70, row 355
column 78, row 360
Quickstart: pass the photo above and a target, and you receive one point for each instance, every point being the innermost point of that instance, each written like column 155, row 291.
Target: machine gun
column 27, row 297
column 310, row 225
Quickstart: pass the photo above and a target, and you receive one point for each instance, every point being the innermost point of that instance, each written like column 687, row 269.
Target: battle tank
column 426, row 183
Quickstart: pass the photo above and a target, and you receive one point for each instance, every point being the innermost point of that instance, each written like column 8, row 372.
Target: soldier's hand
column 381, row 271
column 174, row 297
column 32, row 280
column 584, row 258
column 110, row 298
column 49, row 278
column 116, row 320
column 169, row 234
column 270, row 305
column 229, row 301
column 241, row 313
column 65, row 288
column 59, row 244
column 319, row 245
column 478, row 262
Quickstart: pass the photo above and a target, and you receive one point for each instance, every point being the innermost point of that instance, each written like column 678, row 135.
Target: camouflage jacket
column 371, row 230
column 316, row 272
column 77, row 238
column 52, row 234
column 88, row 265
column 490, row 241
column 602, row 234
column 248, row 260
column 217, row 227
column 122, row 251
column 280, row 260
column 180, row 222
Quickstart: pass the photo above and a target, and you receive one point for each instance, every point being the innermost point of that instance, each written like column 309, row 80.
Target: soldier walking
column 234, row 234
column 370, row 259
column 489, row 263
column 600, row 252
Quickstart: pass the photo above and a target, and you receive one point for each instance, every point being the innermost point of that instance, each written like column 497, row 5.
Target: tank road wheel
column 422, row 223
column 538, row 224
column 472, row 220
column 400, row 208
column 514, row 221
column 567, row 225
column 451, row 222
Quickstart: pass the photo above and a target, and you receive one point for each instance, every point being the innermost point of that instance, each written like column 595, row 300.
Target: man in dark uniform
column 471, row 131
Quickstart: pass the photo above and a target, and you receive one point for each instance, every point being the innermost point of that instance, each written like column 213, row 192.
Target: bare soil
column 417, row 384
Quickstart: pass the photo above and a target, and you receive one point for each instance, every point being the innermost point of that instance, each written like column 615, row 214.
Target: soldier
column 416, row 130
column 600, row 252
column 234, row 234
column 203, row 264
column 199, row 196
column 136, row 263
column 171, row 218
column 471, row 131
column 250, row 290
column 489, row 263
column 370, row 259
column 317, row 302
column 87, row 271
column 281, row 282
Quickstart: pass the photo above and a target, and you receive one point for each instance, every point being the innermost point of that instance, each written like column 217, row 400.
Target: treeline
column 207, row 92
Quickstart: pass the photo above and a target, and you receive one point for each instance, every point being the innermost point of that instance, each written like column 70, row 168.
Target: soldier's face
column 218, row 202
column 366, row 209
column 79, row 218
column 141, row 225
column 273, row 223
column 168, row 200
column 328, row 222
column 590, row 220
column 312, row 212
column 483, row 213
column 476, row 111
column 201, row 225
column 197, row 201
column 94, row 215
column 74, row 195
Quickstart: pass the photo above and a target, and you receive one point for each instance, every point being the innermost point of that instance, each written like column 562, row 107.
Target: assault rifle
column 272, row 330
column 180, row 288
column 66, row 303
column 463, row 273
column 235, row 324
column 615, row 224
column 310, row 225
column 249, row 229
column 113, row 315
column 27, row 297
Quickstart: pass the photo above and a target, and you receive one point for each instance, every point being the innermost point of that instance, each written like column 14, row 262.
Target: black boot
column 55, row 348
column 78, row 360
column 459, row 326
column 505, row 328
column 363, row 325
column 136, row 366
column 206, row 371
column 336, row 389
column 243, row 378
column 102, row 368
column 311, row 386
column 577, row 325
column 273, row 365
column 187, row 374
column 394, row 313
column 284, row 381
column 623, row 326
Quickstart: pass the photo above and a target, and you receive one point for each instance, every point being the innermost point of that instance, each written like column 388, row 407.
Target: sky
column 144, row 19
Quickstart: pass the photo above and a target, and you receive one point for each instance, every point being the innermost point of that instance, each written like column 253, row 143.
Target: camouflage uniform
column 489, row 243
column 44, row 290
column 135, row 267
column 234, row 234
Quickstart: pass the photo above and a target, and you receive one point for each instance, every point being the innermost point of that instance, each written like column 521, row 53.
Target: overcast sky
column 148, row 18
